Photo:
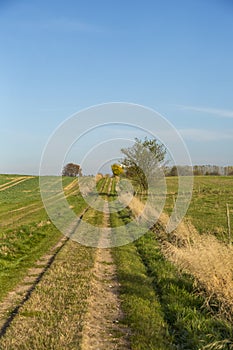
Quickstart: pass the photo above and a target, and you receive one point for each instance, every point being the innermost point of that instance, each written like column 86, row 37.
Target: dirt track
column 23, row 323
column 101, row 323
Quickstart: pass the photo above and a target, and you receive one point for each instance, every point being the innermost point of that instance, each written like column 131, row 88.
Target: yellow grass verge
column 211, row 263
column 206, row 258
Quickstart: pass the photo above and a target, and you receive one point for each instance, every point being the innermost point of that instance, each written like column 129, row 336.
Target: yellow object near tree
column 117, row 169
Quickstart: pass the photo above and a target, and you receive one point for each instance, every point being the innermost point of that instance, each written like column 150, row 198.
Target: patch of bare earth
column 102, row 328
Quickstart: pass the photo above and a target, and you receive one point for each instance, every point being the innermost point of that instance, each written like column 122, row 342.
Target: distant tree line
column 202, row 170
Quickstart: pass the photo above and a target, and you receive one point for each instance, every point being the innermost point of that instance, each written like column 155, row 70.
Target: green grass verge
column 142, row 310
column 26, row 234
column 190, row 324
column 20, row 249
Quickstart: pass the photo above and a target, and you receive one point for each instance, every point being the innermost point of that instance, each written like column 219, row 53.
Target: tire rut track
column 102, row 329
column 15, row 182
column 102, row 323
column 14, row 301
column 31, row 209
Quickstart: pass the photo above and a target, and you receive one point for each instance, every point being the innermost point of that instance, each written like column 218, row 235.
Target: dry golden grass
column 207, row 259
column 211, row 263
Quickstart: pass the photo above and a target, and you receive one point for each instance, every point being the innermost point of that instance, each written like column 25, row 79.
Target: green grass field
column 164, row 306
column 26, row 231
column 207, row 210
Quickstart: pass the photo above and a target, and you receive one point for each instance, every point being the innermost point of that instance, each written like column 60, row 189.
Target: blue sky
column 58, row 57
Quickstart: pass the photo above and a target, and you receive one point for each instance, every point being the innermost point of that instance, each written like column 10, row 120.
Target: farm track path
column 16, row 298
column 102, row 329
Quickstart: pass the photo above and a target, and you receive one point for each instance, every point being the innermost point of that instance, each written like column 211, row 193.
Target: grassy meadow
column 175, row 290
column 26, row 232
column 207, row 210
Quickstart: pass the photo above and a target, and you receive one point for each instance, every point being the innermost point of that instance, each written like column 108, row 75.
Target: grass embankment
column 20, row 249
column 191, row 324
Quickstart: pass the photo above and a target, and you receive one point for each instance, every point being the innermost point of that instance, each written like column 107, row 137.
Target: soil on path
column 102, row 323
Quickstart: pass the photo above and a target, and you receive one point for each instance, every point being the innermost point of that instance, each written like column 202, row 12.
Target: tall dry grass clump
column 211, row 263
column 207, row 259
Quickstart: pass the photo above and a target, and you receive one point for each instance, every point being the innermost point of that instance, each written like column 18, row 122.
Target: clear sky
column 58, row 57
